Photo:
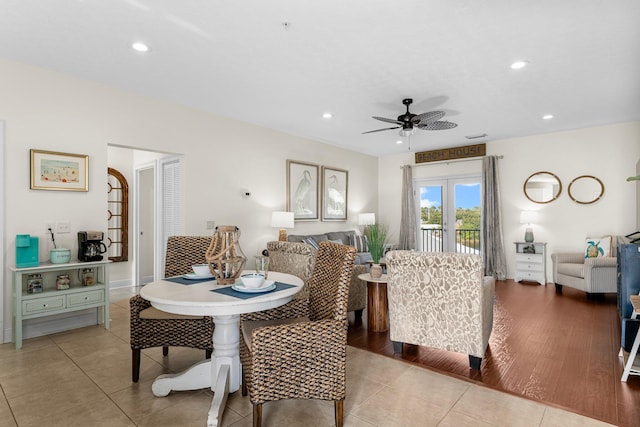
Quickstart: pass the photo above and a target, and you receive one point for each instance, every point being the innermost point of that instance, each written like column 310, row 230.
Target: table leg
column 222, row 373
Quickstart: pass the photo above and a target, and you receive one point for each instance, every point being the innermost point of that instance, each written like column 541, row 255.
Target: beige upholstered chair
column 357, row 291
column 591, row 275
column 151, row 327
column 292, row 258
column 440, row 300
column 299, row 350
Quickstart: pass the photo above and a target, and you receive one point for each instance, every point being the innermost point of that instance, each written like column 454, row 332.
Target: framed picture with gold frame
column 303, row 190
column 335, row 187
column 52, row 170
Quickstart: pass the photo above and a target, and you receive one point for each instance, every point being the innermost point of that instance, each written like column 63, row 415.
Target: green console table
column 50, row 301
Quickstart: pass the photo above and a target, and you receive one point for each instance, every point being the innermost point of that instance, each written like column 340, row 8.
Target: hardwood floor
column 558, row 349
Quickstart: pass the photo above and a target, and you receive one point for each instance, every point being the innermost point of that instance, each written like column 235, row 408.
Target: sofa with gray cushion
column 350, row 238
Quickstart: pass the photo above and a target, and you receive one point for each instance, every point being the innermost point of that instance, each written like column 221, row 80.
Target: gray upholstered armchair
column 440, row 300
column 591, row 275
column 298, row 258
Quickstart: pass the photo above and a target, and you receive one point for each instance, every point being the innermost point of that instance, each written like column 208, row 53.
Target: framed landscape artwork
column 335, row 183
column 302, row 190
column 51, row 170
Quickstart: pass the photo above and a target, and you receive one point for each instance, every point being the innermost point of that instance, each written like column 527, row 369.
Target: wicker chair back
column 329, row 283
column 184, row 252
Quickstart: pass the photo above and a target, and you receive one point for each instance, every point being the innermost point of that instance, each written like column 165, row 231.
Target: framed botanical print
column 303, row 190
column 51, row 170
column 335, row 184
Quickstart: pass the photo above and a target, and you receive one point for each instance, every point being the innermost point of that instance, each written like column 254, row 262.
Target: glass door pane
column 449, row 215
column 467, row 216
column 430, row 237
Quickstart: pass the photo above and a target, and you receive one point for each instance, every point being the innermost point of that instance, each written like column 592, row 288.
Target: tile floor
column 83, row 378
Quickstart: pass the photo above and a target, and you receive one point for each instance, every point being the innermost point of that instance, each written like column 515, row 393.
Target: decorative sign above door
column 476, row 150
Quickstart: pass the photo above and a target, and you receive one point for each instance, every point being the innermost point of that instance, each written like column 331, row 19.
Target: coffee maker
column 90, row 245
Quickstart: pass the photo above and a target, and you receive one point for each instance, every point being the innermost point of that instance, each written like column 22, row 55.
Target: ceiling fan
column 407, row 122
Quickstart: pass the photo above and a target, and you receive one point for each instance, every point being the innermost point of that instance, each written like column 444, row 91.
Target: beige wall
column 51, row 111
column 607, row 152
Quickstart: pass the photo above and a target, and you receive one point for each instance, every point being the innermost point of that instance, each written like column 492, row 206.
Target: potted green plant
column 376, row 238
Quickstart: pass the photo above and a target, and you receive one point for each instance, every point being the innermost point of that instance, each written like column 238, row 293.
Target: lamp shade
column 366, row 219
column 528, row 217
column 282, row 219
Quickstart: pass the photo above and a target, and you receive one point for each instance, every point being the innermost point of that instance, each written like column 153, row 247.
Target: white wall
column 50, row 111
column 608, row 152
column 121, row 159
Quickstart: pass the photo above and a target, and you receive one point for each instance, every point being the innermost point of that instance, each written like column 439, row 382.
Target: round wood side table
column 377, row 303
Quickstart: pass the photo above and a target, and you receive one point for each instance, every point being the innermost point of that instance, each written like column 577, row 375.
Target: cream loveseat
column 440, row 300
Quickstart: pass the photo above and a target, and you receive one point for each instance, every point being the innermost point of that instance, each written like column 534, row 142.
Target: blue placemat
column 181, row 280
column 228, row 290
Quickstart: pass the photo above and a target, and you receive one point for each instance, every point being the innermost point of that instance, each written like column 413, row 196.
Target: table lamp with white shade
column 282, row 220
column 528, row 217
column 366, row 219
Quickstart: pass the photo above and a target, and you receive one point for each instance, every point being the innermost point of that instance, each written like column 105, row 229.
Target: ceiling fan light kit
column 408, row 122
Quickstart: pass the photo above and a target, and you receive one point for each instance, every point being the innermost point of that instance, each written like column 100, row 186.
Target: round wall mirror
column 542, row 187
column 586, row 189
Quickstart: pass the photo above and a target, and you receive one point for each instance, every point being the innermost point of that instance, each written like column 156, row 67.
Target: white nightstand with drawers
column 531, row 262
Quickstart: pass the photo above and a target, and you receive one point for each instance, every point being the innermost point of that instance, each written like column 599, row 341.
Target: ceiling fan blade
column 438, row 125
column 426, row 118
column 384, row 119
column 380, row 130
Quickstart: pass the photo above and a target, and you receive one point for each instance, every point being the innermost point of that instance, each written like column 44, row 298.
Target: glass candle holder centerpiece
column 225, row 257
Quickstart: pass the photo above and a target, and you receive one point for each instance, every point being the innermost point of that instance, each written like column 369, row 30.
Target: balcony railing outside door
column 467, row 240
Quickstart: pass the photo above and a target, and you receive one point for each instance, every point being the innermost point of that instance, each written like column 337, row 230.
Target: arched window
column 118, row 216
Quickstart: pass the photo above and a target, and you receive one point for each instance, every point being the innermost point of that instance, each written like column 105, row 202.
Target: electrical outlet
column 50, row 226
column 211, row 225
column 63, row 227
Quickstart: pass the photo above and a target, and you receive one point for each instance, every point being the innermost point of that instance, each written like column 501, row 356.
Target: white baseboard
column 117, row 284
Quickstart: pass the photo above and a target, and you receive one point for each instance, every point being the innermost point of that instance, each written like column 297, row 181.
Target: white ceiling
column 353, row 58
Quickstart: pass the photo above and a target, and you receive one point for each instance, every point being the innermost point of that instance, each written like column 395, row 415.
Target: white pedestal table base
column 222, row 373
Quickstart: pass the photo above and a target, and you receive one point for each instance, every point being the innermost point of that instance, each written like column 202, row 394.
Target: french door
column 449, row 214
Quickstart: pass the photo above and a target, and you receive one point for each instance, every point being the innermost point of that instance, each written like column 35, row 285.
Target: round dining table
column 222, row 373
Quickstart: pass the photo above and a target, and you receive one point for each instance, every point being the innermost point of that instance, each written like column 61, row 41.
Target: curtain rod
column 451, row 161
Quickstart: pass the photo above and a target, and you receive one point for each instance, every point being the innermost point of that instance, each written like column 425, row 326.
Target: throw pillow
column 598, row 247
column 310, row 241
column 338, row 241
column 359, row 242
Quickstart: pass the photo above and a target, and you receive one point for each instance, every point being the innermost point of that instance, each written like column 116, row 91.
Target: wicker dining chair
column 299, row 350
column 151, row 327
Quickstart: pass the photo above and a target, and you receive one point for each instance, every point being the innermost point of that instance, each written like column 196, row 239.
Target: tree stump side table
column 377, row 303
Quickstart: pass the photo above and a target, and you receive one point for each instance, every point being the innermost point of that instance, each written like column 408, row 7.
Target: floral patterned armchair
column 440, row 300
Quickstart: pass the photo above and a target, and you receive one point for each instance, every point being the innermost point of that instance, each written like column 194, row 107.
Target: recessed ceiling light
column 140, row 47
column 519, row 64
column 327, row 115
column 547, row 117
column 399, row 141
